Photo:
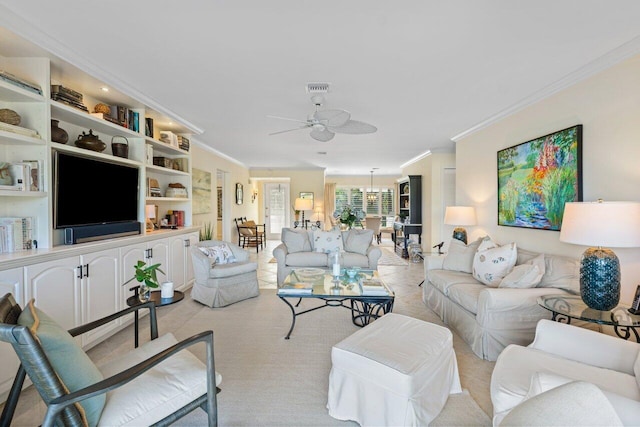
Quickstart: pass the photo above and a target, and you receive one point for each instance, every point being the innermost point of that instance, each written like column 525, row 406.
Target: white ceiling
column 420, row 71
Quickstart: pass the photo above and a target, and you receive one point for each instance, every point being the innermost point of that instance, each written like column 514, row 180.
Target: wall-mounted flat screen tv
column 89, row 191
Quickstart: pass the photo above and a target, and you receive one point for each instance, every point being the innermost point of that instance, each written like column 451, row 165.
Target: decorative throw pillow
column 526, row 275
column 296, row 240
column 70, row 362
column 221, row 254
column 327, row 241
column 490, row 266
column 459, row 256
column 357, row 241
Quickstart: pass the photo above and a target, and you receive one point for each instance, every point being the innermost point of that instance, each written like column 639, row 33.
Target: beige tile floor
column 475, row 373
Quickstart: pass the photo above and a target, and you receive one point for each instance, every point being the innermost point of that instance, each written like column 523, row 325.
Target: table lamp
column 303, row 205
column 458, row 216
column 317, row 217
column 150, row 213
column 611, row 224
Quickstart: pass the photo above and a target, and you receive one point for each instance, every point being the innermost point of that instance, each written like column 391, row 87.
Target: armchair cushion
column 70, row 362
column 357, row 241
column 296, row 240
column 232, row 269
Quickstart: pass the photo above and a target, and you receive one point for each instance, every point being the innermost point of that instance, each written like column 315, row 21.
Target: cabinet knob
column 187, row 243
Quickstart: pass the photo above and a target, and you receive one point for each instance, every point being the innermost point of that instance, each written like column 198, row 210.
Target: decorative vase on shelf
column 144, row 293
column 58, row 134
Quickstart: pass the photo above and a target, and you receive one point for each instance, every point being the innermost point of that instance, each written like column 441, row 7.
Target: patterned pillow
column 221, row 254
column 490, row 266
column 327, row 241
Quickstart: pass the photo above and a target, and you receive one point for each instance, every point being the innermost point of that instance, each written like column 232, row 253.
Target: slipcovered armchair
column 223, row 273
column 154, row 384
column 561, row 354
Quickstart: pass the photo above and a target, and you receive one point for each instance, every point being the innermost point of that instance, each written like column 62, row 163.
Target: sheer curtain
column 329, row 203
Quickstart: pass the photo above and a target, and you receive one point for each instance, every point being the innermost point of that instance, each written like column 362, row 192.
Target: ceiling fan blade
column 353, row 127
column 290, row 130
column 287, row 118
column 323, row 135
column 332, row 117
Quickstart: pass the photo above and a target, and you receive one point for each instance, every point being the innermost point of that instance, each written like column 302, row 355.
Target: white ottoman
column 396, row 371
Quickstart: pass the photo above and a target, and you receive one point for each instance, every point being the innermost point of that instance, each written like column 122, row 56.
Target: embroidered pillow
column 459, row 256
column 526, row 275
column 490, row 266
column 296, row 240
column 327, row 241
column 221, row 254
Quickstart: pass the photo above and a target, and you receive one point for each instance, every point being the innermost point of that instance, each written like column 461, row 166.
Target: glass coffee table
column 341, row 292
column 567, row 307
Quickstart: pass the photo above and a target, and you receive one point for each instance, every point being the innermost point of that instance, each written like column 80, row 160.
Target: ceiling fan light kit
column 325, row 124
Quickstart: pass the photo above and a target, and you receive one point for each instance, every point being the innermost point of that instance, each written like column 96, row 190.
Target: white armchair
column 564, row 353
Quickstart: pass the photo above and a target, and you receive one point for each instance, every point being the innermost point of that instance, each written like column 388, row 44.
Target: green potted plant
column 147, row 276
column 206, row 232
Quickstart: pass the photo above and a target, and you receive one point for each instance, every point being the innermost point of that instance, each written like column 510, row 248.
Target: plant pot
column 58, row 134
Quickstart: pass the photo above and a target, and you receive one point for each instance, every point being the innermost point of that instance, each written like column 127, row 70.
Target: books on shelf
column 19, row 82
column 16, row 234
column 373, row 287
column 19, row 130
column 296, row 288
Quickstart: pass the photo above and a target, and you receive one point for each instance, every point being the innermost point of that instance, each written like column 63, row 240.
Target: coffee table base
column 363, row 311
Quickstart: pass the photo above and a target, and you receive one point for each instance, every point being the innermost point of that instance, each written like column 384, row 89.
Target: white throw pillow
column 327, row 241
column 221, row 254
column 492, row 265
column 526, row 275
column 459, row 256
column 357, row 241
column 296, row 240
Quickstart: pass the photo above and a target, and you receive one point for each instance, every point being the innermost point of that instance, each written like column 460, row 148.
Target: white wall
column 608, row 105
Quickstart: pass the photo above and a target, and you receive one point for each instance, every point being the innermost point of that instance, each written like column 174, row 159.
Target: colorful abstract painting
column 536, row 178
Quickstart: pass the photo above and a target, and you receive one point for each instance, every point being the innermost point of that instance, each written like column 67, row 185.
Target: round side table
column 155, row 297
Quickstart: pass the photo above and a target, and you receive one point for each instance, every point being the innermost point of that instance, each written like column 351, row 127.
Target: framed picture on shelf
column 536, row 178
column 239, row 193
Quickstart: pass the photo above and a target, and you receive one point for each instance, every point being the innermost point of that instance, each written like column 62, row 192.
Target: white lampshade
column 150, row 211
column 460, row 215
column 607, row 224
column 317, row 216
column 303, row 204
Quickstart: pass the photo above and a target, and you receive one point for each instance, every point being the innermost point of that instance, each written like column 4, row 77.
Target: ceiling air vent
column 318, row 87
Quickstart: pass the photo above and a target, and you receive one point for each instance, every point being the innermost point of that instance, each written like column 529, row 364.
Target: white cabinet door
column 129, row 257
column 193, row 238
column 180, row 263
column 56, row 287
column 11, row 281
column 101, row 291
column 160, row 255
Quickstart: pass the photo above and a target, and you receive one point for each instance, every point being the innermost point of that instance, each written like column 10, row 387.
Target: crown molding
column 28, row 31
column 415, row 159
column 219, row 153
column 625, row 51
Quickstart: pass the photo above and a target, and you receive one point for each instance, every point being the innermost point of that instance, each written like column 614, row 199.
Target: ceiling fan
column 324, row 124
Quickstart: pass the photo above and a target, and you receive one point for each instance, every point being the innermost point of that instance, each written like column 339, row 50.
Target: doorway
column 276, row 209
column 222, row 229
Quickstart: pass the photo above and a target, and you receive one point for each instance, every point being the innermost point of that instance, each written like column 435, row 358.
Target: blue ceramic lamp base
column 460, row 233
column 600, row 279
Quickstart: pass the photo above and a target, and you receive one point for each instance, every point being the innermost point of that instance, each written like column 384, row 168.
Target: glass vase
column 144, row 293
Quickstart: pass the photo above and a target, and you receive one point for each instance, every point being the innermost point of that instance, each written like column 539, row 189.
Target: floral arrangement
column 349, row 215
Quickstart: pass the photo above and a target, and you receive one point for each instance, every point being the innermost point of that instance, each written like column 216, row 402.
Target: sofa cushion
column 352, row 259
column 491, row 265
column 357, row 241
column 459, row 257
column 443, row 279
column 296, row 240
column 636, row 369
column 562, row 273
column 307, row 259
column 466, row 295
column 327, row 241
column 227, row 270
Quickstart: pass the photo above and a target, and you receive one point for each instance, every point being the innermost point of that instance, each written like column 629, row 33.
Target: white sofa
column 490, row 318
column 564, row 353
column 311, row 248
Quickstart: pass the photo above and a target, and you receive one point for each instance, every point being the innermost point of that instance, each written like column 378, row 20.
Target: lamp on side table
column 459, row 216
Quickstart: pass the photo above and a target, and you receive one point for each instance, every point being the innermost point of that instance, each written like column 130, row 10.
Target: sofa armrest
column 373, row 254
column 433, row 263
column 280, row 254
column 586, row 346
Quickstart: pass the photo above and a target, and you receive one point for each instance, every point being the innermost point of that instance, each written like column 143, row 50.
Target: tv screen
column 89, row 191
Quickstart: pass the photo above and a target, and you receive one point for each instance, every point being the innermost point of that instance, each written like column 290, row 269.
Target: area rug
column 390, row 258
column 273, row 260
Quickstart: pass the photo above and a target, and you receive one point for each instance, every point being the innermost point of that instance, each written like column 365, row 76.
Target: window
column 375, row 202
